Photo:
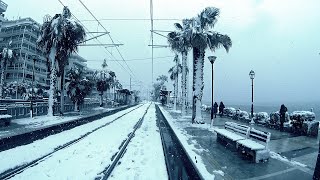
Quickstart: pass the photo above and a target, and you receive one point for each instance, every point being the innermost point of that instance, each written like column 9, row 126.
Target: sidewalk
column 297, row 159
column 24, row 125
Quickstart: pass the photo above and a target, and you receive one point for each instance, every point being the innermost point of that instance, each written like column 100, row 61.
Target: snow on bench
column 5, row 117
column 232, row 133
column 256, row 145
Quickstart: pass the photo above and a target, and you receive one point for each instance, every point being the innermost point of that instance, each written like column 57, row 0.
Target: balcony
column 3, row 7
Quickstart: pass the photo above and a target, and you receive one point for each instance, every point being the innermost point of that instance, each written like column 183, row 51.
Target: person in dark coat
column 221, row 108
column 215, row 109
column 283, row 110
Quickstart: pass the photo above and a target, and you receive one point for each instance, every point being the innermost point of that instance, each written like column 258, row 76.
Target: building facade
column 21, row 36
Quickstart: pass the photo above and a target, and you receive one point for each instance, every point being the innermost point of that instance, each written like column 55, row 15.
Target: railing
column 22, row 110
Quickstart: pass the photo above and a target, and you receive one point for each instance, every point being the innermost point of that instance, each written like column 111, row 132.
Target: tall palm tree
column 59, row 38
column 179, row 41
column 201, row 39
column 174, row 76
column 5, row 56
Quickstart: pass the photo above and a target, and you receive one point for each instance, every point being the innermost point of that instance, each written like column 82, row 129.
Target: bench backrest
column 260, row 135
column 237, row 128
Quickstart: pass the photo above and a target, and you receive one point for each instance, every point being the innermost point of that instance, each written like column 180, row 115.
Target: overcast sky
column 278, row 39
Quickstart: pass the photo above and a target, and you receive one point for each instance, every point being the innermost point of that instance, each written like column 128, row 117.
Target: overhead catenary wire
column 133, row 19
column 96, row 39
column 108, row 35
column 138, row 59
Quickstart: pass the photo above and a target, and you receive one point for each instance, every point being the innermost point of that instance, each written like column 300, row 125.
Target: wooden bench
column 256, row 145
column 5, row 117
column 232, row 133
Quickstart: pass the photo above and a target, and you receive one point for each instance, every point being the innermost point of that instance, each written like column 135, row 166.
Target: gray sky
column 278, row 39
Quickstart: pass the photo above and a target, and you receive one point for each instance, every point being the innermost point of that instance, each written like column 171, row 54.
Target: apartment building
column 23, row 34
column 3, row 8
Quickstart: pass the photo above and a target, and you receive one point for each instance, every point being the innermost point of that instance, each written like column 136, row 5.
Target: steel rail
column 12, row 172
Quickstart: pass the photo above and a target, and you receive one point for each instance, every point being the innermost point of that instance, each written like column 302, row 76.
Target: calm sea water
column 272, row 108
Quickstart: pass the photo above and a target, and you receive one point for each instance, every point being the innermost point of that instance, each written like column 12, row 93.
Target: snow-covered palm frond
column 63, row 33
column 178, row 26
column 208, row 17
column 216, row 40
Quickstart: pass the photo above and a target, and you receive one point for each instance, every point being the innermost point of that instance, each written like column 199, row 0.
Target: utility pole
column 151, row 17
column 130, row 83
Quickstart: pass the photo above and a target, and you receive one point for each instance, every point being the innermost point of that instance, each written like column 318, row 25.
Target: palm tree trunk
column 184, row 83
column 76, row 106
column 175, row 87
column 2, row 78
column 52, row 81
column 198, row 63
column 62, row 92
column 101, row 99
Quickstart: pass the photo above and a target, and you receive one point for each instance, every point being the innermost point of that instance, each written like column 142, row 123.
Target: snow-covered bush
column 275, row 118
column 229, row 111
column 206, row 108
column 261, row 117
column 304, row 115
column 243, row 115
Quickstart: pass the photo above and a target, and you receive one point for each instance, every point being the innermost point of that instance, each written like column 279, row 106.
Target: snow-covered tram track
column 19, row 169
column 122, row 149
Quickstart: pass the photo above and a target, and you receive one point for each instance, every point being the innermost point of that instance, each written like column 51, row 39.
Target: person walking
column 215, row 109
column 283, row 110
column 221, row 108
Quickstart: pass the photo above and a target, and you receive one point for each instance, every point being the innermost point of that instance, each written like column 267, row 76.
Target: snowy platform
column 291, row 156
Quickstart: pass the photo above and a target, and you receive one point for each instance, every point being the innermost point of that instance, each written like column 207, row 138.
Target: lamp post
column 252, row 75
column 212, row 59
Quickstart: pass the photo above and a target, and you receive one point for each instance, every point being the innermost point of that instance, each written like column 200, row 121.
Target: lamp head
column 212, row 59
column 251, row 74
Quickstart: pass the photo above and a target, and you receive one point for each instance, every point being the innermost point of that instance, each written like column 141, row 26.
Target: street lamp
column 252, row 75
column 212, row 59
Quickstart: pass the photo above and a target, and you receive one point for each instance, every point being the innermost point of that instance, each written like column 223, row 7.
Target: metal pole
column 252, row 99
column 130, row 83
column 212, row 93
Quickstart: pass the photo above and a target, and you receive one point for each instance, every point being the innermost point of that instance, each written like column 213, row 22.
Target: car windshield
column 159, row 89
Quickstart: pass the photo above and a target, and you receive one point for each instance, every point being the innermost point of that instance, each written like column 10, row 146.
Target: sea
column 272, row 107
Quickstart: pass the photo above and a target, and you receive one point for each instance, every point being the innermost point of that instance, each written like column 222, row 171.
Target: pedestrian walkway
column 292, row 156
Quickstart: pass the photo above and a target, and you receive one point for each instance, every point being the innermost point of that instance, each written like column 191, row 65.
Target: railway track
column 13, row 172
column 122, row 149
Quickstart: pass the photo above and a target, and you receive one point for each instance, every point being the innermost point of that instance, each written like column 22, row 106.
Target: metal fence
column 22, row 110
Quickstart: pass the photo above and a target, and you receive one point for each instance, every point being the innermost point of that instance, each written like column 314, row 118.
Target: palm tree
column 5, row 56
column 180, row 42
column 102, row 84
column 174, row 76
column 59, row 38
column 78, row 87
column 201, row 39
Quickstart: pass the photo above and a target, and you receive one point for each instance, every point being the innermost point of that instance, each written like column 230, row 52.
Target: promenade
column 292, row 156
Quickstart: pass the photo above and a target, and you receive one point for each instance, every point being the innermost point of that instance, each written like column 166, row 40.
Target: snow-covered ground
column 27, row 153
column 38, row 122
column 189, row 147
column 87, row 158
column 144, row 157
